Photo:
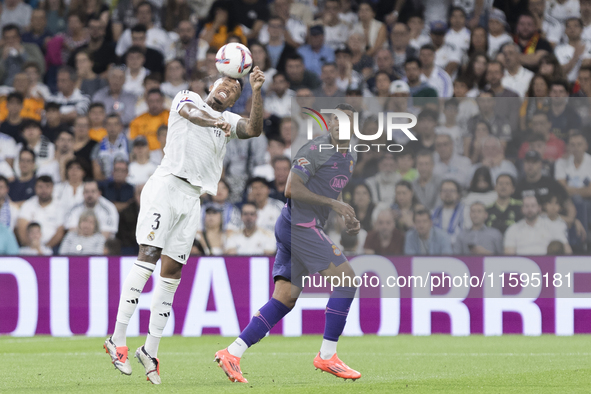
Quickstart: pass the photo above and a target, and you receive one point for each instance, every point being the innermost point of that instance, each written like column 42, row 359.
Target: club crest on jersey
column 151, row 236
column 351, row 166
column 336, row 251
column 302, row 162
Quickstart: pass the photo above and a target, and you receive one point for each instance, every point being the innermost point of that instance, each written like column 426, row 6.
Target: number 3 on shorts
column 156, row 224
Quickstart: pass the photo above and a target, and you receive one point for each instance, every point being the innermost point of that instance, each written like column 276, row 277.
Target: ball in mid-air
column 234, row 60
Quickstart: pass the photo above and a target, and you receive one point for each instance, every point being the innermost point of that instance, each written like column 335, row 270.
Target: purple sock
column 337, row 310
column 260, row 325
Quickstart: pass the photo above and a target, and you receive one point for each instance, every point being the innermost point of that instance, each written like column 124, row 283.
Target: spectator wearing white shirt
column 493, row 157
column 33, row 245
column 174, row 78
column 586, row 18
column 335, row 31
column 458, row 36
column 449, row 165
column 140, row 168
column 561, row 10
column 497, row 34
column 434, row 75
column 7, row 149
column 69, row 192
column 16, row 12
column 252, row 240
column 447, row 56
column 383, row 185
column 576, row 52
column 418, row 33
column 135, row 71
column 552, row 28
column 86, row 239
column 45, row 210
column 105, row 211
column 517, row 77
column 278, row 98
column 71, row 100
column 532, row 234
column 156, row 38
column 64, row 152
column 268, row 209
column 347, row 78
column 8, row 209
column 551, row 211
column 450, row 126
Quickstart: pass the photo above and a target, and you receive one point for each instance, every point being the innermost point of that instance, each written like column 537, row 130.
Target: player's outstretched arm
column 253, row 126
column 201, row 118
column 297, row 190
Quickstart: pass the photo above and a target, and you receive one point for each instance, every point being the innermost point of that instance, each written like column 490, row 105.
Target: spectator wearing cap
column 23, row 187
column 156, row 37
column 252, row 239
column 8, row 209
column 554, row 147
column 497, row 34
column 435, row 75
column 516, row 77
column 385, row 239
column 114, row 146
column 300, row 77
column 552, row 28
column 448, row 164
column 140, row 168
column 37, row 142
column 278, row 98
column 16, row 53
column 45, row 210
column 532, row 234
column 505, row 210
column 128, row 223
column 426, row 239
column 104, row 210
column 33, row 245
column 53, row 122
column 316, row 53
column 335, row 30
column 100, row 50
column 532, row 45
column 117, row 189
column 401, row 49
column 114, row 98
column 329, row 86
column 64, row 152
column 479, row 239
column 268, row 209
column 418, row 87
column 347, row 77
column 448, row 56
column 148, row 123
column 213, row 236
column 493, row 158
column 71, row 100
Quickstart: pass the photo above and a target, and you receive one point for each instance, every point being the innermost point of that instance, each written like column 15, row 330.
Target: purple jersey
column 325, row 173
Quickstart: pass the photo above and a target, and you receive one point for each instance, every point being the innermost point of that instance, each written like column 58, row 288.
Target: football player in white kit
column 198, row 132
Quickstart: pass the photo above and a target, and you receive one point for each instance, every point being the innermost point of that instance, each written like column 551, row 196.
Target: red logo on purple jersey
column 339, row 182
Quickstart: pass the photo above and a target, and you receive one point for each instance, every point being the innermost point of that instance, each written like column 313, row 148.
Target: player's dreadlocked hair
column 345, row 107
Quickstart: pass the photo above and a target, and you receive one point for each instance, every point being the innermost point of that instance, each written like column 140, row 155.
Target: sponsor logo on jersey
column 151, row 236
column 339, row 182
column 302, row 162
column 336, row 251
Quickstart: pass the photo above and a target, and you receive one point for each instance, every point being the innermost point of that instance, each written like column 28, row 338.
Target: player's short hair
column 73, row 162
column 413, row 60
column 345, row 107
column 453, row 182
column 27, row 150
column 15, row 96
column 246, row 204
column 9, row 27
column 139, row 28
column 114, row 115
column 280, row 158
column 574, row 18
column 70, row 71
column 428, row 47
column 44, row 179
column 155, row 91
column 257, row 179
column 420, row 212
column 135, row 49
column 508, row 176
column 562, row 82
column 30, row 124
column 295, row 56
column 32, row 225
column 96, row 104
column 456, row 8
column 64, row 131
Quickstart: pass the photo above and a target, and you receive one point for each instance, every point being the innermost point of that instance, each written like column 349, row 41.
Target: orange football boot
column 230, row 365
column 336, row 367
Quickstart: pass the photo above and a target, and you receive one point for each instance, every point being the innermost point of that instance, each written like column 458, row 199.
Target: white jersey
column 193, row 152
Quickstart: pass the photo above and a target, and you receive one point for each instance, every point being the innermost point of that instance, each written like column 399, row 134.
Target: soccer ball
column 233, row 60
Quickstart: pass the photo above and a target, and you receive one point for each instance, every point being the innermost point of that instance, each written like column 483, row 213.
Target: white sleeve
column 26, row 211
column 560, row 170
column 9, row 148
column 71, row 221
column 510, row 240
column 183, row 97
column 6, row 170
column 124, row 43
column 562, row 55
column 233, row 119
column 231, row 242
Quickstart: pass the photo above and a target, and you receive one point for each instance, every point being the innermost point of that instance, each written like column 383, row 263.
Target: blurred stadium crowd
column 500, row 89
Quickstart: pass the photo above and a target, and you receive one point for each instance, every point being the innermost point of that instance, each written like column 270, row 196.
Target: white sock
column 130, row 295
column 160, row 312
column 237, row 348
column 328, row 349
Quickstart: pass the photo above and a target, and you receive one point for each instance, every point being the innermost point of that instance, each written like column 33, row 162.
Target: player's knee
column 170, row 269
column 149, row 254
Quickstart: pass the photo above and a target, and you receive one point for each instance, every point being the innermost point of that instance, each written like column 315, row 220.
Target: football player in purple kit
column 314, row 186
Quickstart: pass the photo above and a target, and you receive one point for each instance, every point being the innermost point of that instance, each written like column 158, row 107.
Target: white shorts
column 169, row 216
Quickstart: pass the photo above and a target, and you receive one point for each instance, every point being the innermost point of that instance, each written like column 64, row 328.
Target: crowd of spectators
column 500, row 90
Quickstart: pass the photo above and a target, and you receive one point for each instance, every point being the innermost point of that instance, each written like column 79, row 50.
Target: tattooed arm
column 253, row 127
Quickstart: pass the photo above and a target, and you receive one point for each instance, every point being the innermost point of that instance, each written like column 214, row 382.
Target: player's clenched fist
column 257, row 78
column 224, row 126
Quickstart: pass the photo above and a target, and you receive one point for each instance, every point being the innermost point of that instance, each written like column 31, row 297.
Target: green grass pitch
column 436, row 364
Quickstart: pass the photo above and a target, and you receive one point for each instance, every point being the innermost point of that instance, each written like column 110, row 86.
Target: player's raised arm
column 297, row 190
column 253, row 126
column 201, row 118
